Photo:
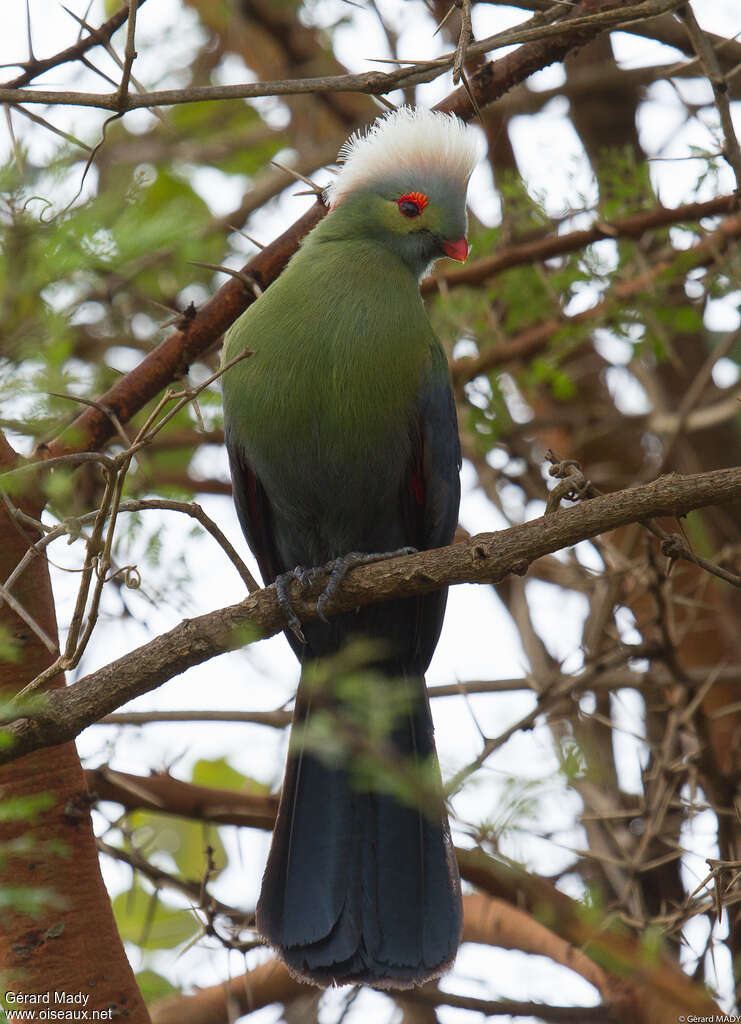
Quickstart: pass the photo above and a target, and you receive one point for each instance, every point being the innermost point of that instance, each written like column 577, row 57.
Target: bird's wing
column 431, row 495
column 431, row 489
column 254, row 512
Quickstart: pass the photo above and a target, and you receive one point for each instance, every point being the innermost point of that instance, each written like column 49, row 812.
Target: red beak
column 457, row 250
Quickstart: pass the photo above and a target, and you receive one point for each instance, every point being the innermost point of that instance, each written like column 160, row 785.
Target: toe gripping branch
column 337, row 569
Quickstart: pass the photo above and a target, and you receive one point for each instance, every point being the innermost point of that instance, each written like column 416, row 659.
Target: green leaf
column 652, row 944
column 29, row 900
column 573, row 762
column 185, row 841
column 59, row 486
column 562, row 386
column 153, row 986
column 144, row 919
column 9, row 646
column 20, row 808
column 20, row 707
column 219, row 774
column 684, row 319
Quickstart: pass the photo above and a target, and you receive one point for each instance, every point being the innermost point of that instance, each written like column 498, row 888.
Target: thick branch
column 664, row 29
column 486, row 558
column 583, row 23
column 162, row 792
column 628, row 990
column 643, row 988
column 486, row 921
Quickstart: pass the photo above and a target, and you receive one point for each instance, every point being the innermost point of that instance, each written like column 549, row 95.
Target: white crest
column 406, row 140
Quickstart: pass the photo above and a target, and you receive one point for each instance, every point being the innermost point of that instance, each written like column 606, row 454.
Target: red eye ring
column 412, row 203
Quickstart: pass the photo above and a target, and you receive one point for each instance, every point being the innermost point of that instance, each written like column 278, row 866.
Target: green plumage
column 351, row 354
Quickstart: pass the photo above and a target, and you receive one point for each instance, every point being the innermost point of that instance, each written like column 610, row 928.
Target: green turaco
column 342, row 438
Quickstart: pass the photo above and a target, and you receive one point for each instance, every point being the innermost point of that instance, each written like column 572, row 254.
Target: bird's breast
column 325, row 407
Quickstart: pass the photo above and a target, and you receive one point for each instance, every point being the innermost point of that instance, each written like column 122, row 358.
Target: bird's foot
column 339, row 568
column 282, row 583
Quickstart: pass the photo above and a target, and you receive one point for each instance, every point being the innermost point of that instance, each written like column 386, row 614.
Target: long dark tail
column 360, row 887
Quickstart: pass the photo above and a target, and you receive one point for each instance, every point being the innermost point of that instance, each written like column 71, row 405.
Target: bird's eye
column 412, row 204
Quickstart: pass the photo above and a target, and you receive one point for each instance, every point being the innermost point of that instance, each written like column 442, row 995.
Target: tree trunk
column 67, row 944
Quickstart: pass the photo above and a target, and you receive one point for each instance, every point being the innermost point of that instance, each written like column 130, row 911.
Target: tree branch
column 607, row 678
column 663, row 28
column 551, row 42
column 194, row 336
column 98, row 37
column 486, row 558
column 534, row 338
column 625, row 987
column 274, row 719
column 583, row 23
column 166, row 794
column 711, row 66
column 542, row 249
column 642, row 988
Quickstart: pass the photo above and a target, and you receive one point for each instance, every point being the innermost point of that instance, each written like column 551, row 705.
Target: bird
column 343, row 446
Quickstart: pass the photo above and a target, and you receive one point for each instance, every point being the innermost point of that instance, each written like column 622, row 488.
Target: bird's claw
column 339, row 568
column 282, row 584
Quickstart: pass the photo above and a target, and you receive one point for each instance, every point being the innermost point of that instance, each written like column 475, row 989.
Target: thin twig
column 22, row 612
column 129, row 54
column 67, row 136
column 34, row 68
column 160, row 878
column 276, row 719
column 711, row 66
column 196, row 512
column 694, row 392
column 464, row 38
column 369, row 82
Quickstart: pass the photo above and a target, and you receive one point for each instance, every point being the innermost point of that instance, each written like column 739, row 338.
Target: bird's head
column 404, row 183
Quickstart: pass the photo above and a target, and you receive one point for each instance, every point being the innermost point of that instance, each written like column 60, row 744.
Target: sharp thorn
column 315, row 189
column 247, row 280
column 440, row 24
column 249, row 238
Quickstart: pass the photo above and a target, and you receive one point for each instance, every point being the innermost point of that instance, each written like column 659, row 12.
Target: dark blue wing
column 431, row 492
column 441, row 459
column 431, row 489
column 254, row 512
